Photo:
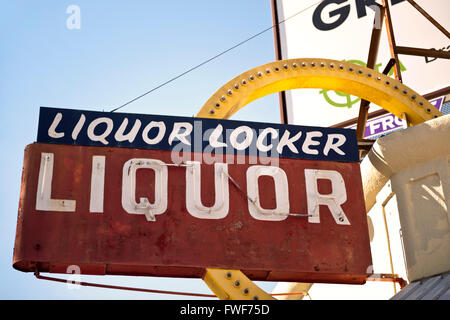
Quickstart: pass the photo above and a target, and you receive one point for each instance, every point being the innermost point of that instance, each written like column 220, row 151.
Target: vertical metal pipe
column 371, row 62
column 278, row 56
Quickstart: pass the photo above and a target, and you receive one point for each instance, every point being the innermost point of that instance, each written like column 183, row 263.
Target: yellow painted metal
column 283, row 75
column 233, row 285
column 386, row 92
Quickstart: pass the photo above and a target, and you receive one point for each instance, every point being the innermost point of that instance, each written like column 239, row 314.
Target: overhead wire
column 214, row 57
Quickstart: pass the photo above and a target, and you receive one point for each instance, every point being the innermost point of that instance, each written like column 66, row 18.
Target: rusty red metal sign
column 124, row 211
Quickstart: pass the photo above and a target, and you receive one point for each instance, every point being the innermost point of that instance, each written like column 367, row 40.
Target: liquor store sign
column 133, row 194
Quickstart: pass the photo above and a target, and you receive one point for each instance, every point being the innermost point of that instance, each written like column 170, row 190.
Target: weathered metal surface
column 432, row 288
column 177, row 243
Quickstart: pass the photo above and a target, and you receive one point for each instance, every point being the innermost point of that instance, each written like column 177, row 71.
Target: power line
column 214, row 57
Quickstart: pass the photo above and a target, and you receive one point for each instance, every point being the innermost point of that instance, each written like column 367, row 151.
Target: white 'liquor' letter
column 193, row 192
column 44, row 202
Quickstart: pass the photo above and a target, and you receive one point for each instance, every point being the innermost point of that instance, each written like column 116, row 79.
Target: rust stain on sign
column 76, row 224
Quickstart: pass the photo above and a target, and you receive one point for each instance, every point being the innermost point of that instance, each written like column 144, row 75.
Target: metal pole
column 391, row 38
column 430, row 18
column 432, row 53
column 278, row 56
column 371, row 62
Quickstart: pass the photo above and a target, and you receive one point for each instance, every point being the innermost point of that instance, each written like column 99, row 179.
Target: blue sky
column 122, row 49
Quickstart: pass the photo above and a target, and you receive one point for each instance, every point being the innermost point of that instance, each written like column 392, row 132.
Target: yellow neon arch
column 282, row 75
column 349, row 78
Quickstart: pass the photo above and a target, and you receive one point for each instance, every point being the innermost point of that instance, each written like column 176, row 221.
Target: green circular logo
column 347, row 101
